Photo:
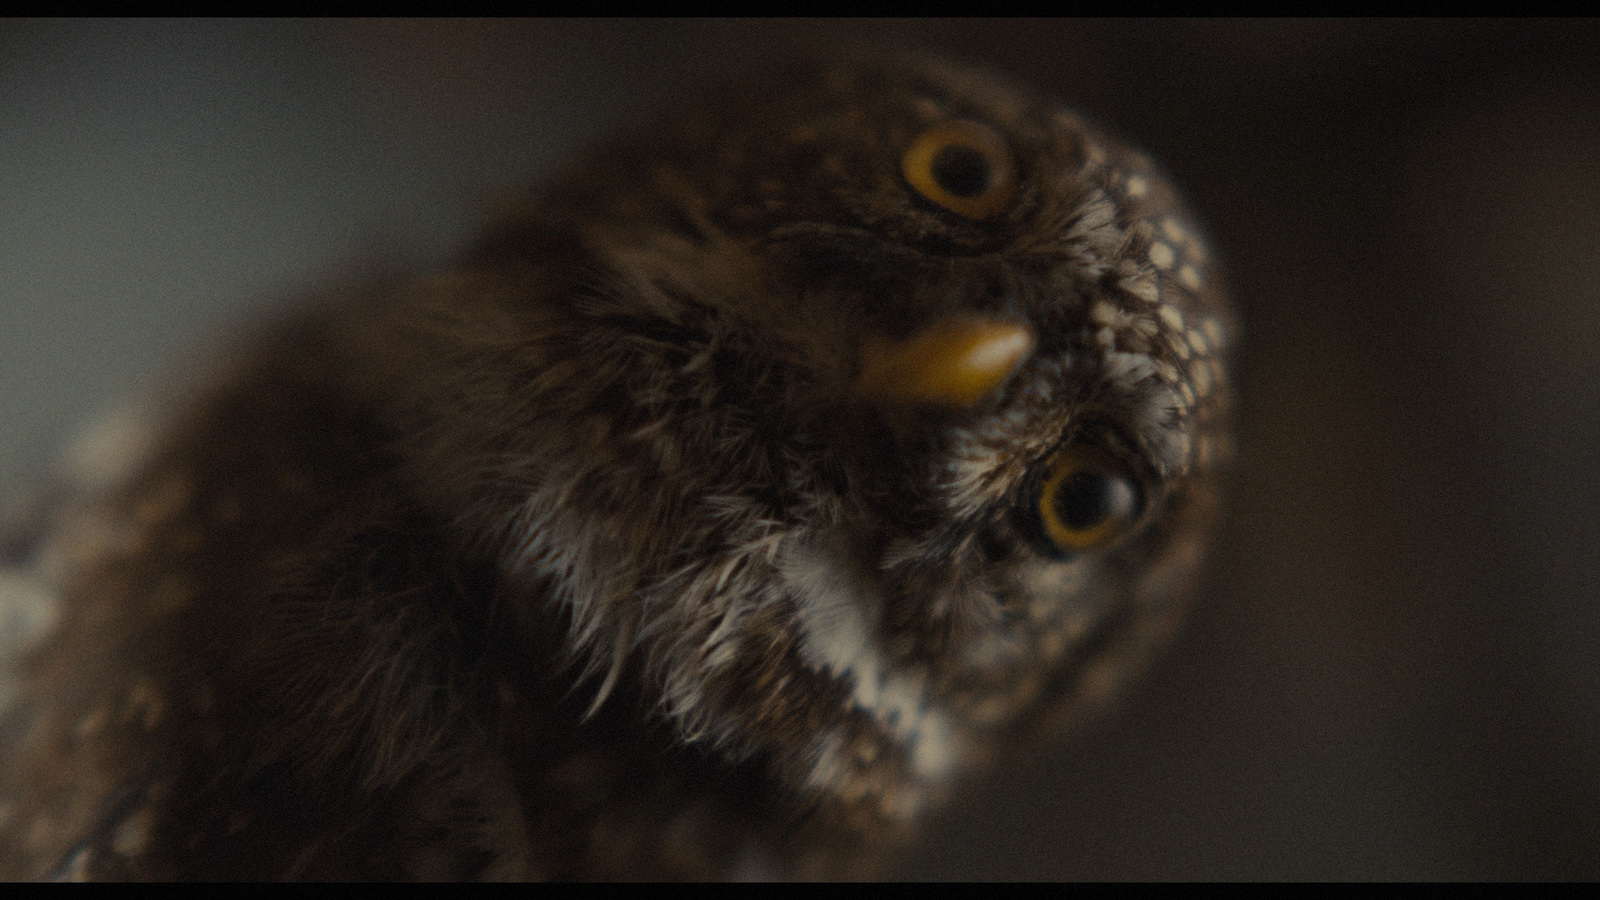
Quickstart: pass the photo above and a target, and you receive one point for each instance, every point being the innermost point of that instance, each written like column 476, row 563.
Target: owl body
column 720, row 511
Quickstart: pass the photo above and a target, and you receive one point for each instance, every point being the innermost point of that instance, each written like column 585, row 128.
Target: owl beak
column 953, row 363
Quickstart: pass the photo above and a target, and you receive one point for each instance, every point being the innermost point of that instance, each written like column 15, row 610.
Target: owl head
column 864, row 420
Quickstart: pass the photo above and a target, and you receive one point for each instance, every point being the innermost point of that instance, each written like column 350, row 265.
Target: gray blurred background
column 1395, row 670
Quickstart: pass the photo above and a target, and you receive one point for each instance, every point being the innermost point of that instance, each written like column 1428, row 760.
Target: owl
column 733, row 500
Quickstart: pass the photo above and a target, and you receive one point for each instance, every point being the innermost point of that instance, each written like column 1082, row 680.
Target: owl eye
column 1089, row 500
column 963, row 166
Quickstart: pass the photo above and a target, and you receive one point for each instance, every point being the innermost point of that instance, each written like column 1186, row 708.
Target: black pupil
column 963, row 171
column 1085, row 500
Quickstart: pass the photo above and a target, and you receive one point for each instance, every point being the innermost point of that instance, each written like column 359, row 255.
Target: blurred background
column 1395, row 670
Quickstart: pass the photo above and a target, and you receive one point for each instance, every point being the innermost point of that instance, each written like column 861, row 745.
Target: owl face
column 867, row 420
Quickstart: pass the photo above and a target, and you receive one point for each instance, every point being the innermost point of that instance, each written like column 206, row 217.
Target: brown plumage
column 720, row 510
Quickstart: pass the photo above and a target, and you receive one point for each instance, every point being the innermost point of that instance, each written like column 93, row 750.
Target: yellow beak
column 955, row 362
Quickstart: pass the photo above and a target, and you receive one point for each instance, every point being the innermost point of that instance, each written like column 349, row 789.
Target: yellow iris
column 1089, row 500
column 964, row 167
